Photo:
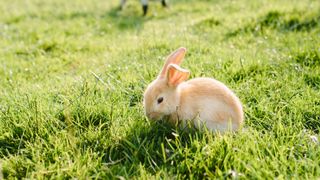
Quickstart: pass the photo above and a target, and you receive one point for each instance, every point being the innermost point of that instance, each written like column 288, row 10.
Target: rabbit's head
column 162, row 96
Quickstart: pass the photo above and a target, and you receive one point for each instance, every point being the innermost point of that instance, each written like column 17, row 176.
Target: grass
column 73, row 73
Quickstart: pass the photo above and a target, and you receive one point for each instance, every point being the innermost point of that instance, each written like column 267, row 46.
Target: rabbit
column 207, row 100
column 144, row 5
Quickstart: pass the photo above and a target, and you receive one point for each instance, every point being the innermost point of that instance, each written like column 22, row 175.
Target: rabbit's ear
column 175, row 57
column 176, row 75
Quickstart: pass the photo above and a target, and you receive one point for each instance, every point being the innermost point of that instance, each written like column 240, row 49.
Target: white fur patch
column 207, row 112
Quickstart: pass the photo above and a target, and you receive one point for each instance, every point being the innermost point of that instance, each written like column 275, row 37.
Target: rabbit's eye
column 160, row 99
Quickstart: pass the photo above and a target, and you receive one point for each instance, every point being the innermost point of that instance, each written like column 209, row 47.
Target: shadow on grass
column 308, row 58
column 312, row 121
column 11, row 145
column 250, row 72
column 157, row 147
column 278, row 21
column 82, row 119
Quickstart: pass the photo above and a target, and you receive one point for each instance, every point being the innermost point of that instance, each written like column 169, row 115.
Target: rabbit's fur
column 203, row 101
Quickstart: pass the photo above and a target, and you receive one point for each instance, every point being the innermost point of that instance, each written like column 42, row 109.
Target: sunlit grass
column 73, row 74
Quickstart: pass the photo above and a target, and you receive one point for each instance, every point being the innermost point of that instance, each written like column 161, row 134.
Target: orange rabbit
column 203, row 99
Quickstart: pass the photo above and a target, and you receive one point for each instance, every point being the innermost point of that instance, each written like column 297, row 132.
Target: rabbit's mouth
column 165, row 118
column 154, row 116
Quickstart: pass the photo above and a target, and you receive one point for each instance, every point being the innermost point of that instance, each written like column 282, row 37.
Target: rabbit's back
column 211, row 102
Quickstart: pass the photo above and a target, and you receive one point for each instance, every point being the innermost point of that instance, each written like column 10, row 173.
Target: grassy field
column 72, row 74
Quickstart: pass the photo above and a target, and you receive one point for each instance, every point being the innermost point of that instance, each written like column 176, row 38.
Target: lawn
column 72, row 75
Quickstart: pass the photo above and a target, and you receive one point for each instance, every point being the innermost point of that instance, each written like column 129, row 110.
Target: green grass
column 73, row 73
